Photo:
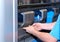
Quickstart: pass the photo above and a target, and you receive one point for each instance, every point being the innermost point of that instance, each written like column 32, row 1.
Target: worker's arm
column 46, row 26
column 46, row 37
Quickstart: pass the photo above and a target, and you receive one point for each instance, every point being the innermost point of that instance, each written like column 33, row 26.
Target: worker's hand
column 46, row 26
column 30, row 29
column 37, row 26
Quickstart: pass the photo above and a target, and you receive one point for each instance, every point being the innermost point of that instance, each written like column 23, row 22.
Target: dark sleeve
column 55, row 17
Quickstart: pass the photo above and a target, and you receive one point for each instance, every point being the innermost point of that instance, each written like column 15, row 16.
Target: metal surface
column 28, row 18
column 8, row 20
column 22, row 34
column 31, row 7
